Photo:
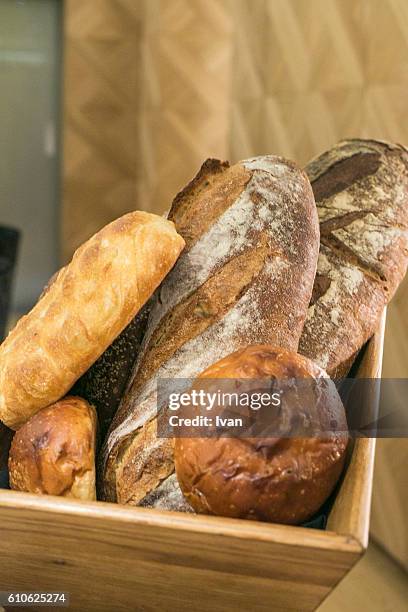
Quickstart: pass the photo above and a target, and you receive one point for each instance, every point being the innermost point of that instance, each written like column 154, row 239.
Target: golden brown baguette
column 54, row 453
column 246, row 276
column 90, row 302
column 361, row 192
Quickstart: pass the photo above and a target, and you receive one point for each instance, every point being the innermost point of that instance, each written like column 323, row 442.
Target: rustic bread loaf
column 87, row 306
column 361, row 192
column 104, row 383
column 283, row 477
column 245, row 277
column 54, row 452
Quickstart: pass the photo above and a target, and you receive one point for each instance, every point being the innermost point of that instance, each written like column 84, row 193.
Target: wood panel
column 145, row 102
column 390, row 500
column 154, row 87
column 185, row 94
column 376, row 584
column 309, row 73
column 110, row 557
column 101, row 86
column 351, row 510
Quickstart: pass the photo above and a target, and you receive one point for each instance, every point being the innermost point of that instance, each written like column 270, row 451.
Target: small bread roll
column 54, row 452
column 280, row 479
column 87, row 306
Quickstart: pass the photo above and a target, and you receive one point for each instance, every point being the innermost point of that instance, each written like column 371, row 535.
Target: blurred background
column 111, row 105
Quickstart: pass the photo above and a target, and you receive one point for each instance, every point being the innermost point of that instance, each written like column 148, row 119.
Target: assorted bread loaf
column 103, row 385
column 86, row 307
column 361, row 193
column 245, row 277
column 245, row 291
column 54, row 452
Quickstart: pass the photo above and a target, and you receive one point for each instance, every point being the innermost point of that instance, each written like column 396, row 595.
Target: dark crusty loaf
column 245, row 277
column 6, row 436
column 361, row 192
column 104, row 383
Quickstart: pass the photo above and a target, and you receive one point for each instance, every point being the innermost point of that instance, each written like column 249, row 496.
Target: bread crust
column 361, row 192
column 280, row 479
column 54, row 452
column 104, row 383
column 90, row 302
column 245, row 277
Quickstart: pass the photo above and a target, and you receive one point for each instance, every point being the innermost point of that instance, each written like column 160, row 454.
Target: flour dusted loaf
column 90, row 302
column 361, row 192
column 245, row 277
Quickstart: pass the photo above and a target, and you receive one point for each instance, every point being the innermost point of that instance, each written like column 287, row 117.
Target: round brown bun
column 282, row 479
column 54, row 452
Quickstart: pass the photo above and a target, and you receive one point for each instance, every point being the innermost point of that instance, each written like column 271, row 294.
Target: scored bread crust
column 245, row 277
column 361, row 193
column 54, row 452
column 90, row 302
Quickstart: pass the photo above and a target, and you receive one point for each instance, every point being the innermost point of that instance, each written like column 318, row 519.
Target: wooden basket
column 111, row 558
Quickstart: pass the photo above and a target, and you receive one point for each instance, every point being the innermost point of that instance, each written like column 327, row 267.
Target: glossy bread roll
column 87, row 306
column 283, row 479
column 54, row 453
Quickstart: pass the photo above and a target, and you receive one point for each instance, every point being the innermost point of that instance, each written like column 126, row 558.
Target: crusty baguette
column 361, row 192
column 54, row 452
column 246, row 276
column 90, row 302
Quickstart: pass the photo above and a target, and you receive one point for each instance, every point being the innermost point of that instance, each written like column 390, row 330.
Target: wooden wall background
column 153, row 87
column 146, row 100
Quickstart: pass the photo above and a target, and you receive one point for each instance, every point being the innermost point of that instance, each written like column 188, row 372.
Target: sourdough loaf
column 104, row 383
column 245, row 277
column 361, row 192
